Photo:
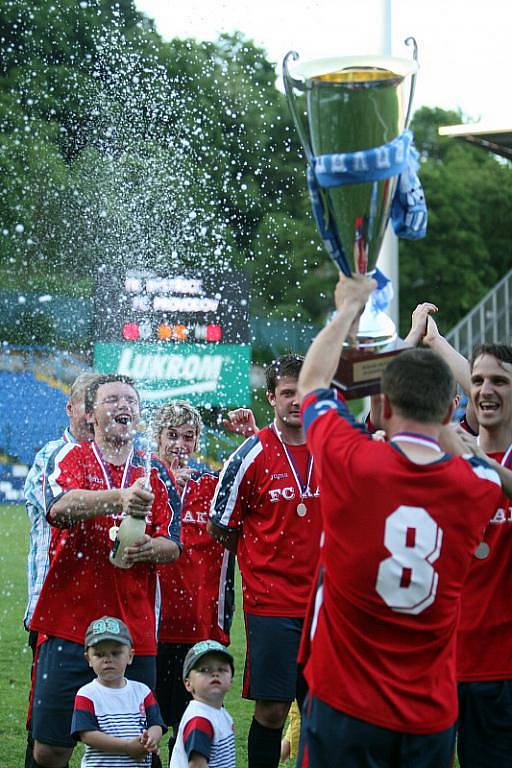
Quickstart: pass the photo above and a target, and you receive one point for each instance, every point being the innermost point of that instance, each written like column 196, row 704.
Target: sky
column 465, row 46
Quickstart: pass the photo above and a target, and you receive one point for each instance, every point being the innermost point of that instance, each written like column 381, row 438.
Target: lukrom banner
column 218, row 374
column 141, row 365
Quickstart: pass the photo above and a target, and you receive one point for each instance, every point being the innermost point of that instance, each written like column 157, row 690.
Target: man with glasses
column 88, row 489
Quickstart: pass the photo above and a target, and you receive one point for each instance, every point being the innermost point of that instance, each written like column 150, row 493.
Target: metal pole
column 388, row 259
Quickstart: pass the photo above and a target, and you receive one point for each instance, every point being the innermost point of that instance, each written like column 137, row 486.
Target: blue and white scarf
column 408, row 209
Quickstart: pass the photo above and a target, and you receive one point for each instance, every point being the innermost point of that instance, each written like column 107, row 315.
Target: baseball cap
column 107, row 628
column 203, row 649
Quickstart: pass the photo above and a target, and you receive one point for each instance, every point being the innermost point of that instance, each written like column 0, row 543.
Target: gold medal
column 302, row 510
column 482, row 551
column 112, row 533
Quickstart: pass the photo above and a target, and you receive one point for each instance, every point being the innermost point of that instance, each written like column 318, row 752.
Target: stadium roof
column 497, row 140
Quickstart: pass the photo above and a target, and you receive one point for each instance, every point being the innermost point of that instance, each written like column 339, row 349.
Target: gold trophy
column 356, row 145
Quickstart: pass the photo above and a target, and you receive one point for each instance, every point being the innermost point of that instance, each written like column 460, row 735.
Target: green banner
column 217, row 374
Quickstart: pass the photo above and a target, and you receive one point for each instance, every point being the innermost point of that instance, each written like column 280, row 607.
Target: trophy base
column 359, row 371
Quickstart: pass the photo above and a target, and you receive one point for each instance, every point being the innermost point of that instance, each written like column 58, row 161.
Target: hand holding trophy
column 361, row 170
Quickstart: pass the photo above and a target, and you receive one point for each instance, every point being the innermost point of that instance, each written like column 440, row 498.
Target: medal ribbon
column 127, row 471
column 303, row 488
column 412, row 437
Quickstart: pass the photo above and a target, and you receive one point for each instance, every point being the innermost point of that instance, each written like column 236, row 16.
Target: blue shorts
column 61, row 669
column 331, row 739
column 484, row 737
column 271, row 672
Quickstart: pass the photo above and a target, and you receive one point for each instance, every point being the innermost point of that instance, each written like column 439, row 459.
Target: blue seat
column 32, row 412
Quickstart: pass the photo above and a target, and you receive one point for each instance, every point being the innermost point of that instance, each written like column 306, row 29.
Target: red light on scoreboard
column 131, row 331
column 213, row 333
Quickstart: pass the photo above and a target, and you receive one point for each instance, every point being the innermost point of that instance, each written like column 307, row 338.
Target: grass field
column 15, row 657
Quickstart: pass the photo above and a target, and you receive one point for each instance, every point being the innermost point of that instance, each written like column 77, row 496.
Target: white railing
column 490, row 322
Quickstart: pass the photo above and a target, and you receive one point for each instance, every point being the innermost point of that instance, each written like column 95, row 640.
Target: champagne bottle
column 131, row 529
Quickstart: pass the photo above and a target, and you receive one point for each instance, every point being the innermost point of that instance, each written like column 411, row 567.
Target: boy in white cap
column 118, row 719
column 205, row 735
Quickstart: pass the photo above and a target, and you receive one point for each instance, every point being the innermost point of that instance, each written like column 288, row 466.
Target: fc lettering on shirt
column 289, row 493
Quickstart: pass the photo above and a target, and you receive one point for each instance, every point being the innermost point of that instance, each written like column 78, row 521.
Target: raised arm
column 458, row 364
column 419, row 323
column 323, row 356
column 241, row 421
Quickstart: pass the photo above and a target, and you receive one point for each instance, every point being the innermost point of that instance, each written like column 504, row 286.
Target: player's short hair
column 502, row 352
column 91, row 391
column 419, row 385
column 284, row 366
column 80, row 384
column 176, row 413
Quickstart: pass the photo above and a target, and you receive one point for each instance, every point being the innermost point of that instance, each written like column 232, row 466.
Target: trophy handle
column 289, row 84
column 411, row 41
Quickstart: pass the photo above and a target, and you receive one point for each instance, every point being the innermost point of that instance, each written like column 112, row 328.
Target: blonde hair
column 80, row 385
column 175, row 414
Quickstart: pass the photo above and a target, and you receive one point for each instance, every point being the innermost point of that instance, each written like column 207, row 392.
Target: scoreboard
column 178, row 334
column 148, row 305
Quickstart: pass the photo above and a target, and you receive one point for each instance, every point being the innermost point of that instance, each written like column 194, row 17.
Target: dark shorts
column 331, row 739
column 171, row 694
column 61, row 669
column 271, row 672
column 484, row 736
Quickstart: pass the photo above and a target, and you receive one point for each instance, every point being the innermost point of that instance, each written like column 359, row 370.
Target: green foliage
column 119, row 147
column 467, row 248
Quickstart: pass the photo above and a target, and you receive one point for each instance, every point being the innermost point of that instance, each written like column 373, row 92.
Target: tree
column 120, row 147
column 467, row 247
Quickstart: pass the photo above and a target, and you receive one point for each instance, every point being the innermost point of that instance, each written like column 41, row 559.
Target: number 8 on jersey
column 407, row 580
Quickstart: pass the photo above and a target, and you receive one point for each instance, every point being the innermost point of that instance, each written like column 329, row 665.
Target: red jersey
column 198, row 590
column 81, row 583
column 399, row 539
column 269, row 491
column 484, row 647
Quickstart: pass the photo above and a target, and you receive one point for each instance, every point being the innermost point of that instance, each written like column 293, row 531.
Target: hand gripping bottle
column 131, row 529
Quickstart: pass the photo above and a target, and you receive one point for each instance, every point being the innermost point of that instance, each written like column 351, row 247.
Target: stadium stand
column 33, row 412
column 12, row 480
column 34, row 382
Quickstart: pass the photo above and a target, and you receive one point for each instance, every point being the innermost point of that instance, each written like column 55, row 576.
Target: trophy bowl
column 350, row 113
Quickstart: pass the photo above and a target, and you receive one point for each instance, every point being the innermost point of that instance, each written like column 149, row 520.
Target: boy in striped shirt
column 206, row 737
column 117, row 719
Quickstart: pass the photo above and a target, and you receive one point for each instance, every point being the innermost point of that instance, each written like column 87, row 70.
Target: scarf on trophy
column 408, row 209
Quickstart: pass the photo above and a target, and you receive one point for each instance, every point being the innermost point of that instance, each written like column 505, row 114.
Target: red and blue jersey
column 398, row 542
column 81, row 583
column 279, row 522
column 484, row 643
column 198, row 590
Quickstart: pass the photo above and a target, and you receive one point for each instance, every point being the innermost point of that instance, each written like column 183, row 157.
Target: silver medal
column 482, row 551
column 112, row 533
column 302, row 509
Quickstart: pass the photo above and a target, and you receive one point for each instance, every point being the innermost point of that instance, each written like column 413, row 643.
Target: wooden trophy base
column 359, row 371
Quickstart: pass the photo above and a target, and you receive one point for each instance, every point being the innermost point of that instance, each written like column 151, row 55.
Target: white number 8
column 406, row 581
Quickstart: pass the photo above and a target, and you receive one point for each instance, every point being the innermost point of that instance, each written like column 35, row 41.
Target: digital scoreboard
column 149, row 306
column 179, row 335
